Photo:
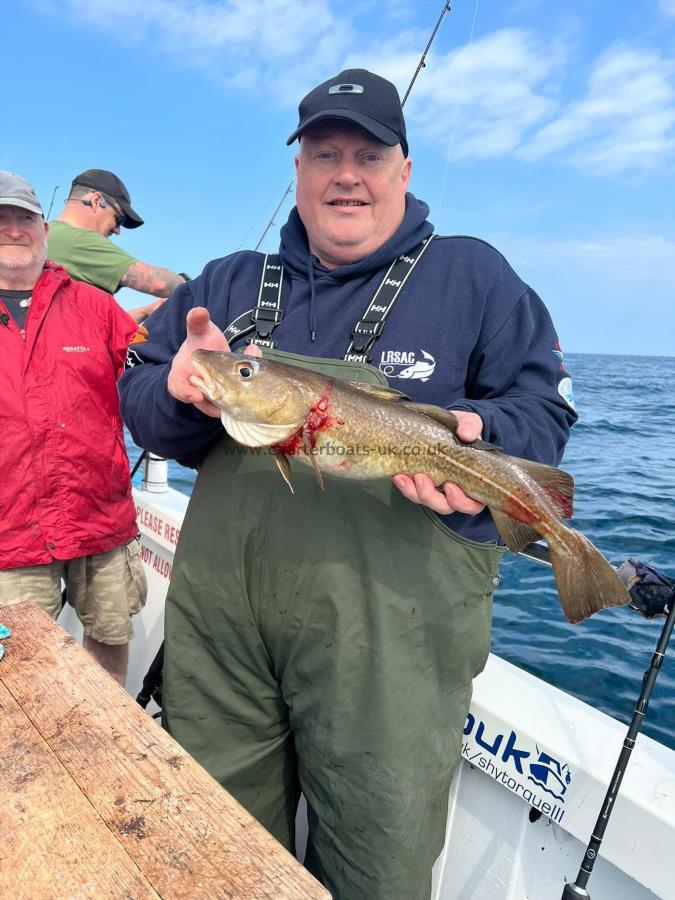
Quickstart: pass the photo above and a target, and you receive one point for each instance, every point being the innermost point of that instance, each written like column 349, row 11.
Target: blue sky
column 546, row 127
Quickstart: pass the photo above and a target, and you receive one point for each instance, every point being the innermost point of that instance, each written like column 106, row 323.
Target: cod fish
column 364, row 431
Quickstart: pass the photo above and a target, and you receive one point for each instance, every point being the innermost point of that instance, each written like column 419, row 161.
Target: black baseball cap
column 361, row 97
column 112, row 186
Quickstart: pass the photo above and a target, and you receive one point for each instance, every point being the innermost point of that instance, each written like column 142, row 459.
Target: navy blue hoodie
column 465, row 333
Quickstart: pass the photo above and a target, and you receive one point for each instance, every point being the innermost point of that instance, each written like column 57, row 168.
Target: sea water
column 622, row 457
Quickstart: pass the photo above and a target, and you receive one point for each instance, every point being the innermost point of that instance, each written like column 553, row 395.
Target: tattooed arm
column 151, row 279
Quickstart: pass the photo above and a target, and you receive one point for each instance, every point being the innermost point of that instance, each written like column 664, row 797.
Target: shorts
column 106, row 590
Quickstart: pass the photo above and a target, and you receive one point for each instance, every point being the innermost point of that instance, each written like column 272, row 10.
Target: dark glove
column 651, row 593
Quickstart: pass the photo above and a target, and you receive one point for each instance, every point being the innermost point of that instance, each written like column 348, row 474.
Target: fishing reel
column 651, row 593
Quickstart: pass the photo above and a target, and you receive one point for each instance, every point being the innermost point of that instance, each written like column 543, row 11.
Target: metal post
column 155, row 474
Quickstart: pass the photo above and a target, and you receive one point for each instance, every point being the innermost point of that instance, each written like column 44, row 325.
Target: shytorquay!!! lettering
column 512, row 761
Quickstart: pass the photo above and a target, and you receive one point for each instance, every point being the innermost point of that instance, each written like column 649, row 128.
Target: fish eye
column 245, row 370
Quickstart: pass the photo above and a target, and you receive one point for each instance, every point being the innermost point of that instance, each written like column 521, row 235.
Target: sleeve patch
column 132, row 360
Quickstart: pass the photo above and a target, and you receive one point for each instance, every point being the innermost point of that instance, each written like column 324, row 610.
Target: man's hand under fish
column 449, row 498
column 203, row 334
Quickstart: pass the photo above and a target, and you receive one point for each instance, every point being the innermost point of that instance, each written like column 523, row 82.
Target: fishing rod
column 271, row 221
column 51, row 203
column 421, row 65
column 656, row 596
column 652, row 594
column 140, row 459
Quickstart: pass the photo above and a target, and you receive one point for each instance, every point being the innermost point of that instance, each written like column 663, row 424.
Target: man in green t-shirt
column 97, row 207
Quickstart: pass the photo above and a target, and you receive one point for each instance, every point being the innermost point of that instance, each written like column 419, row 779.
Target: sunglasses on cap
column 119, row 215
column 106, row 201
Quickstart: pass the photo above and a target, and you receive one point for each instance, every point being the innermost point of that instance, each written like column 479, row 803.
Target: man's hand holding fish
column 450, row 498
column 204, row 335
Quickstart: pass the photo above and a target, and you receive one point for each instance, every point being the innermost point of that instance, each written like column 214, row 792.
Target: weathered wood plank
column 188, row 836
column 52, row 841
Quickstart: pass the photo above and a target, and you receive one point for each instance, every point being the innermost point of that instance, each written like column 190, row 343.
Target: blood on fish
column 562, row 501
column 318, row 418
column 517, row 509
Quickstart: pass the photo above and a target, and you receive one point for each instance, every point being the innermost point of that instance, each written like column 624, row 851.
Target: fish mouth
column 205, row 383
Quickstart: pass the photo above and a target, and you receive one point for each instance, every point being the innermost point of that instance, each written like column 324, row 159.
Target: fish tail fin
column 586, row 582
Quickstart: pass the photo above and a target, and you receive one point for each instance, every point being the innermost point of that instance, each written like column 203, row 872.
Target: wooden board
column 99, row 801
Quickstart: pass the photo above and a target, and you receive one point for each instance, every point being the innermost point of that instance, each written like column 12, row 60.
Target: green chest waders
column 326, row 642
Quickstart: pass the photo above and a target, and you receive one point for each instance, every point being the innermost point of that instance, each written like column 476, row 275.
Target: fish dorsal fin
column 381, row 391
column 259, row 434
column 444, row 416
column 449, row 419
column 557, row 484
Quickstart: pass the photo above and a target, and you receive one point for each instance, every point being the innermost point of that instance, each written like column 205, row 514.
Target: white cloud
column 626, row 121
column 487, row 94
column 261, row 46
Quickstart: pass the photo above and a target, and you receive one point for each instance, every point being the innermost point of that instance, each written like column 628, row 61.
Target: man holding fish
column 325, row 641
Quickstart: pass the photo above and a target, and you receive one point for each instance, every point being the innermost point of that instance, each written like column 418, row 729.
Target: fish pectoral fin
column 380, row 391
column 307, row 447
column 450, row 420
column 557, row 484
column 515, row 534
column 258, row 434
column 284, row 466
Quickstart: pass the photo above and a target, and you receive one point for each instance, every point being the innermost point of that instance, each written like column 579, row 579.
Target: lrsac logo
column 402, row 364
column 507, row 760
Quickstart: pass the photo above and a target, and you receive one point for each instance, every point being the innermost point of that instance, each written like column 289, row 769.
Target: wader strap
column 368, row 329
column 268, row 313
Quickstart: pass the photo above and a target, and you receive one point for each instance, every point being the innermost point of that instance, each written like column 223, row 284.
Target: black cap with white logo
column 112, row 186
column 358, row 96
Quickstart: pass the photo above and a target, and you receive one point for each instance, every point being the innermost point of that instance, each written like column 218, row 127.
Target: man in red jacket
column 66, row 509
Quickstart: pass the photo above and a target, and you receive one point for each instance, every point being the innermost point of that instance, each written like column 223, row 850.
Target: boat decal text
column 520, row 765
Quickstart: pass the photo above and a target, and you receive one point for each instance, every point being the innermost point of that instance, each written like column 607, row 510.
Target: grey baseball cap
column 15, row 191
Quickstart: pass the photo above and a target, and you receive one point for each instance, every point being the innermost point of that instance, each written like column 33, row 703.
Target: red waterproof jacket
column 65, row 489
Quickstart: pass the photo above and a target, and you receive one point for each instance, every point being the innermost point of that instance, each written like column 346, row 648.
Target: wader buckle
column 266, row 320
column 364, row 334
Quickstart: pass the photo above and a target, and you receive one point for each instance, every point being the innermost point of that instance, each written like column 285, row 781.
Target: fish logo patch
column 402, row 364
column 566, row 392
